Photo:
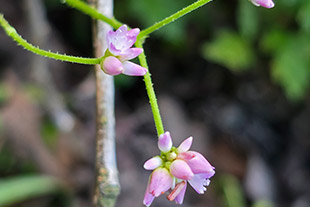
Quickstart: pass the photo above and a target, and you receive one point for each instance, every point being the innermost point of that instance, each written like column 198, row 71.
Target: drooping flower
column 174, row 168
column 120, row 51
column 264, row 3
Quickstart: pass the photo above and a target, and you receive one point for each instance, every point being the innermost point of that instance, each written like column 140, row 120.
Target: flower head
column 174, row 168
column 120, row 51
column 264, row 3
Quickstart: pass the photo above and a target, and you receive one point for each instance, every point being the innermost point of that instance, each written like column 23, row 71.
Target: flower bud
column 152, row 163
column 181, row 170
column 165, row 142
column 264, row 3
column 112, row 66
column 161, row 181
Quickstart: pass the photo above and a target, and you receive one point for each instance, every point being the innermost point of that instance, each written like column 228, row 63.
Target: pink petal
column 114, row 50
column 133, row 69
column 199, row 181
column 132, row 35
column 181, row 170
column 152, row 163
column 185, row 145
column 177, row 194
column 161, row 181
column 122, row 30
column 112, row 66
column 179, row 199
column 110, row 35
column 264, row 3
column 186, row 155
column 133, row 32
column 121, row 40
column 148, row 197
column 165, row 142
column 131, row 53
column 197, row 162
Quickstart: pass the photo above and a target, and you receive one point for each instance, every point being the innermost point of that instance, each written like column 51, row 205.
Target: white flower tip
column 134, row 31
column 152, row 163
column 148, row 199
column 207, row 182
column 133, row 69
column 123, row 28
column 144, row 71
column 165, row 142
column 254, row 3
column 185, row 145
column 146, row 204
column 271, row 5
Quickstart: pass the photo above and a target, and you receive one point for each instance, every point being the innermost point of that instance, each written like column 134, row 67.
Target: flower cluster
column 263, row 3
column 120, row 51
column 174, row 168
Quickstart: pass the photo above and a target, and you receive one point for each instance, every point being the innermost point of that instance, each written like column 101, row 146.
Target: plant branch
column 151, row 93
column 92, row 12
column 10, row 31
column 144, row 33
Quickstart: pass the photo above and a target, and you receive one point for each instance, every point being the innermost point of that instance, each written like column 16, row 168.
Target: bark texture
column 107, row 183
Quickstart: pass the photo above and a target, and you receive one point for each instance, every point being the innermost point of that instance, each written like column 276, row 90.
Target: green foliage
column 9, row 163
column 263, row 203
column 16, row 189
column 4, row 93
column 34, row 92
column 7, row 160
column 291, row 67
column 303, row 16
column 248, row 20
column 289, row 3
column 1, row 126
column 123, row 81
column 230, row 50
column 49, row 133
column 274, row 40
column 283, row 33
column 231, row 190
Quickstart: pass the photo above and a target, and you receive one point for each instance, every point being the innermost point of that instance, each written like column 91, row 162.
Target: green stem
column 172, row 18
column 10, row 31
column 86, row 9
column 151, row 93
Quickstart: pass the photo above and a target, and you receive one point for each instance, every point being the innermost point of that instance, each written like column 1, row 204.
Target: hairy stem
column 151, row 93
column 10, row 31
column 144, row 33
column 92, row 12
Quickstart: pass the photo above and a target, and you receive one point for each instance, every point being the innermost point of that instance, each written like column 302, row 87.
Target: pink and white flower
column 264, row 3
column 174, row 168
column 120, row 51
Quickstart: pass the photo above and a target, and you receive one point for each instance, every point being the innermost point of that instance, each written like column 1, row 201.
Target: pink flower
column 120, row 51
column 264, row 3
column 160, row 181
column 176, row 167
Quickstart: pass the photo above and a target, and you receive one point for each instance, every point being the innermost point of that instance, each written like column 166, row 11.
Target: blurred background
column 232, row 75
